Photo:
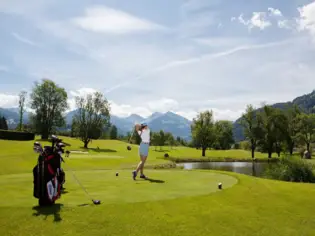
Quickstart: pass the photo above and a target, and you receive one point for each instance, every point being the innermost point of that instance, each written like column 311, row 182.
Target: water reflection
column 248, row 168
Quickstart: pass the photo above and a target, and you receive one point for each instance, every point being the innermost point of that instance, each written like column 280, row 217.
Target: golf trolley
column 48, row 175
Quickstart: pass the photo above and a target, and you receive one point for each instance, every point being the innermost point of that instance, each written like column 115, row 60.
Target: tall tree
column 22, row 97
column 92, row 117
column 306, row 124
column 252, row 128
column 224, row 134
column 74, row 128
column 49, row 102
column 3, row 123
column 280, row 121
column 292, row 129
column 113, row 134
column 202, row 129
column 269, row 129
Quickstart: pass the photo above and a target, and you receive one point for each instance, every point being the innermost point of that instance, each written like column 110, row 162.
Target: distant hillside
column 13, row 117
column 305, row 102
column 169, row 122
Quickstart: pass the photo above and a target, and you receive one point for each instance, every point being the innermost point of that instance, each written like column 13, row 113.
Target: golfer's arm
column 137, row 127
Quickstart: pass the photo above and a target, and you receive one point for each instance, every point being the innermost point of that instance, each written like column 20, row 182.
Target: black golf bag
column 48, row 176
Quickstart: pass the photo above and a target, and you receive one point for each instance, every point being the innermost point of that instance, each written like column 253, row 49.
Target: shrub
column 291, row 169
column 237, row 146
column 14, row 135
column 245, row 145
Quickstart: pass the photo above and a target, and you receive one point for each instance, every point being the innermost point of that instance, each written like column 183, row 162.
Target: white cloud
column 24, row 40
column 258, row 20
column 284, row 24
column 307, row 19
column 102, row 19
column 8, row 100
column 274, row 12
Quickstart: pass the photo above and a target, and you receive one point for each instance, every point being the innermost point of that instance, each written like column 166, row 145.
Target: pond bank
column 228, row 159
column 249, row 168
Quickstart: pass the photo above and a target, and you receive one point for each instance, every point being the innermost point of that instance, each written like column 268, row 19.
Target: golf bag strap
column 50, row 169
column 49, row 157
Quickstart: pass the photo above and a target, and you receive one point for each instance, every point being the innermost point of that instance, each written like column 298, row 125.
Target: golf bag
column 48, row 176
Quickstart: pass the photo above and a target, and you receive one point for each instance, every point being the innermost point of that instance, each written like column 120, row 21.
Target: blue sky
column 146, row 56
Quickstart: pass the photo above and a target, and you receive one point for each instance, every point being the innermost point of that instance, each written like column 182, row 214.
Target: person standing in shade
column 144, row 133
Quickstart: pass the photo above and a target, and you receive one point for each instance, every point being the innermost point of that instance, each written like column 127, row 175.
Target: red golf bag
column 48, row 176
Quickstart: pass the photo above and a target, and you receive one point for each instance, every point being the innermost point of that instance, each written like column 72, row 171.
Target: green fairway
column 163, row 184
column 174, row 202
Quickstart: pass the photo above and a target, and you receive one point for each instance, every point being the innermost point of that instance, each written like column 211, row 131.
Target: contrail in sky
column 179, row 63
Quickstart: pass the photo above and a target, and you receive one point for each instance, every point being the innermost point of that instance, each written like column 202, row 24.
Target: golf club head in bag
column 48, row 175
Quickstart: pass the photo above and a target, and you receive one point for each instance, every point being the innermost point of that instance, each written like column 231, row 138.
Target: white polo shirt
column 145, row 135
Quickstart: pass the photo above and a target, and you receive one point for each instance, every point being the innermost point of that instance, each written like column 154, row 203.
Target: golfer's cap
column 144, row 124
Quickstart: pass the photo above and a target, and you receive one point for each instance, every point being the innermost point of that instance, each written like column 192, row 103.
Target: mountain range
column 169, row 121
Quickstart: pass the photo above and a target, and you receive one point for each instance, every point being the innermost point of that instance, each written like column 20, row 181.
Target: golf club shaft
column 79, row 183
column 133, row 130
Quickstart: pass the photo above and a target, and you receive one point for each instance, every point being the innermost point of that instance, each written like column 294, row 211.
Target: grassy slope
column 186, row 204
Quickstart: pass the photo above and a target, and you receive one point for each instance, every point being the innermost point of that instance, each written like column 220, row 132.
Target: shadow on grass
column 160, row 150
column 64, row 191
column 48, row 211
column 155, row 181
column 98, row 149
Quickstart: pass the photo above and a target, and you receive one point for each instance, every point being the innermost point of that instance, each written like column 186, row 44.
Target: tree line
column 267, row 129
column 273, row 130
column 91, row 121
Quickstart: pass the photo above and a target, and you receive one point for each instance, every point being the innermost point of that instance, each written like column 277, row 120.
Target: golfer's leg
column 140, row 164
column 143, row 160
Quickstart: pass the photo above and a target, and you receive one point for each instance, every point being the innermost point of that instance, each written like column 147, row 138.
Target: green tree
column 292, row 129
column 49, row 102
column 280, row 121
column 155, row 137
column 93, row 116
column 306, row 126
column 252, row 128
column 74, row 128
column 22, row 97
column 162, row 139
column 269, row 129
column 113, row 134
column 202, row 129
column 224, row 134
column 3, row 123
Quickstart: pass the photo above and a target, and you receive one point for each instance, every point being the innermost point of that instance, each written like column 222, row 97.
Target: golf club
column 96, row 202
column 129, row 147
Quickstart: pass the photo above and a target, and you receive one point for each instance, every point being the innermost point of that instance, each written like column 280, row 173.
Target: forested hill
column 305, row 102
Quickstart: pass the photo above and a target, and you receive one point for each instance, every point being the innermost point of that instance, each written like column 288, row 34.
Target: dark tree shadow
column 99, row 149
column 48, row 211
column 155, row 181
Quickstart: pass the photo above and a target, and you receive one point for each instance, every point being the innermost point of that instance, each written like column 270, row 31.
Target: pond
column 248, row 168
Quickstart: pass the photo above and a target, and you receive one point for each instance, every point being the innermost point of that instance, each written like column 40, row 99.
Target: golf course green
column 172, row 202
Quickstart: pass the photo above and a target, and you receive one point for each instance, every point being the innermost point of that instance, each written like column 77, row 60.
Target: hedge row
column 15, row 135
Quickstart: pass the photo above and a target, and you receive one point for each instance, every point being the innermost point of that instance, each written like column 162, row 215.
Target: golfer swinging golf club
column 144, row 133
